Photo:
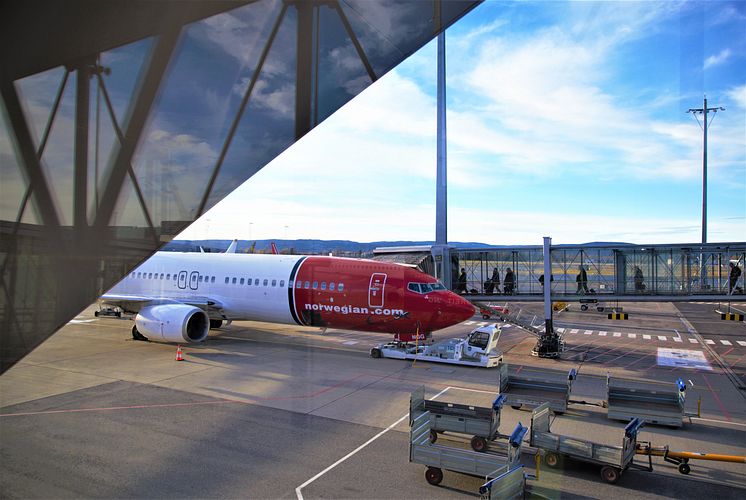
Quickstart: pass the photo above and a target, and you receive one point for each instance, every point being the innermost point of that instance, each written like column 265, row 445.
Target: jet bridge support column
column 549, row 344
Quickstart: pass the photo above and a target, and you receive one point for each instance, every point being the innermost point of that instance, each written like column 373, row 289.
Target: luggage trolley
column 438, row 457
column 614, row 460
column 480, row 422
column 550, row 386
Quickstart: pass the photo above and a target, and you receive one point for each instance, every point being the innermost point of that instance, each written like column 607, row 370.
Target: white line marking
column 469, row 322
column 709, row 341
column 482, row 323
column 350, row 342
column 588, row 332
column 574, row 330
column 314, row 478
column 677, row 339
column 617, row 334
column 561, row 330
column 661, row 337
column 694, row 341
column 632, row 335
column 741, row 342
column 602, row 334
column 718, row 421
column 646, row 337
column 725, row 342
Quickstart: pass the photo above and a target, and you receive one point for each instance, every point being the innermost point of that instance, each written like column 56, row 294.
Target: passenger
column 735, row 273
column 541, row 279
column 509, row 282
column 582, row 279
column 461, row 283
column 639, row 280
column 493, row 284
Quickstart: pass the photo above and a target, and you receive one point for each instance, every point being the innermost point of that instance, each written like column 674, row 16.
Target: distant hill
column 301, row 246
column 337, row 247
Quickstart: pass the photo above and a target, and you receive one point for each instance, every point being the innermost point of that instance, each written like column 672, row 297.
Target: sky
column 565, row 119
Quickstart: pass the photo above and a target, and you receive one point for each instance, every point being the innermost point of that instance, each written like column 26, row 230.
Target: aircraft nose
column 452, row 311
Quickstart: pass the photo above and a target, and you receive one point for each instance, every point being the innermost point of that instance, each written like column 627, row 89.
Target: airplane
column 178, row 297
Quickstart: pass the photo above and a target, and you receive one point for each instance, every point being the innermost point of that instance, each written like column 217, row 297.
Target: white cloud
column 738, row 96
column 720, row 58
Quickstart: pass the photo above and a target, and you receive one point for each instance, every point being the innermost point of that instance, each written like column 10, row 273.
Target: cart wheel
column 516, row 407
column 583, row 307
column 433, row 436
column 610, row 474
column 433, row 475
column 552, row 459
column 600, row 309
column 478, row 443
column 485, row 316
column 376, row 353
column 684, row 468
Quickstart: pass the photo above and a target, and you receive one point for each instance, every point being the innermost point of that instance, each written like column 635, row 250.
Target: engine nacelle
column 173, row 323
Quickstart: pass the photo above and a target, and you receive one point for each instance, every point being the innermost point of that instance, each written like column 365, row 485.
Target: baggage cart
column 550, row 386
column 479, row 422
column 438, row 458
column 655, row 402
column 614, row 460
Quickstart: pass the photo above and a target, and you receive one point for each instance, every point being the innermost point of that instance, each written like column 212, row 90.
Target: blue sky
column 564, row 119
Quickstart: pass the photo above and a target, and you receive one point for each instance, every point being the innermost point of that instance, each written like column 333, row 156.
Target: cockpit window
column 425, row 287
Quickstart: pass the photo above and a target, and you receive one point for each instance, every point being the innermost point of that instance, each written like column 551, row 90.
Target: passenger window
column 274, row 282
column 323, row 285
column 265, row 282
column 307, row 285
column 233, row 281
column 212, row 279
column 161, row 275
column 227, row 280
column 315, row 285
column 241, row 282
column 248, row 281
column 282, row 284
column 168, row 276
column 298, row 284
column 331, row 286
column 256, row 282
column 150, row 276
column 341, row 287
column 176, row 277
column 200, row 279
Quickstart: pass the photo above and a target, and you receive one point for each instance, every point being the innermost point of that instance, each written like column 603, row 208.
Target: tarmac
column 279, row 411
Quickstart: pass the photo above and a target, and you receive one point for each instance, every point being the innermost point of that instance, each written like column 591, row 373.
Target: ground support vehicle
column 655, row 402
column 479, row 348
column 550, row 386
column 479, row 422
column 585, row 304
column 614, row 460
column 438, row 458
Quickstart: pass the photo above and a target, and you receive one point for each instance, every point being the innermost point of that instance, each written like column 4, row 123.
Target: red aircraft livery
column 177, row 297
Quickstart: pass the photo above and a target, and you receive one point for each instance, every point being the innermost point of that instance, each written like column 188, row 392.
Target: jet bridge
column 610, row 272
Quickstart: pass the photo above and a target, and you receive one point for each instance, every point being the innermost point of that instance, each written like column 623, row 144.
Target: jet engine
column 173, row 323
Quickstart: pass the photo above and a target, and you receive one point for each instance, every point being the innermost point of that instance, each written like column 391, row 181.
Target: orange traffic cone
column 179, row 355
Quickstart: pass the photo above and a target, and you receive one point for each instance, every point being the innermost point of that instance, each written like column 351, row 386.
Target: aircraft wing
column 134, row 303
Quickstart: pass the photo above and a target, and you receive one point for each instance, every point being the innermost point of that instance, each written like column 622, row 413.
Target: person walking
column 582, row 279
column 639, row 280
column 461, row 283
column 509, row 282
column 735, row 273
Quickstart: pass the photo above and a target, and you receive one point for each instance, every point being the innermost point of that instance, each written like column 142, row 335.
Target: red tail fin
column 274, row 248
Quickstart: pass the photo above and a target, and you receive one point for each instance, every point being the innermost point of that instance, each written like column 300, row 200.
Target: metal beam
column 304, row 67
column 82, row 107
column 29, row 161
column 139, row 112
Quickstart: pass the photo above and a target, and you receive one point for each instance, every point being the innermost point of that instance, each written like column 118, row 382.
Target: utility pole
column 703, row 111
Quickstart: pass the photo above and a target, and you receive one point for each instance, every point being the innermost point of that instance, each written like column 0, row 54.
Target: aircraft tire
column 136, row 335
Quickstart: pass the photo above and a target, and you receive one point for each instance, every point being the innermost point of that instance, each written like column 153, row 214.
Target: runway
column 276, row 411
